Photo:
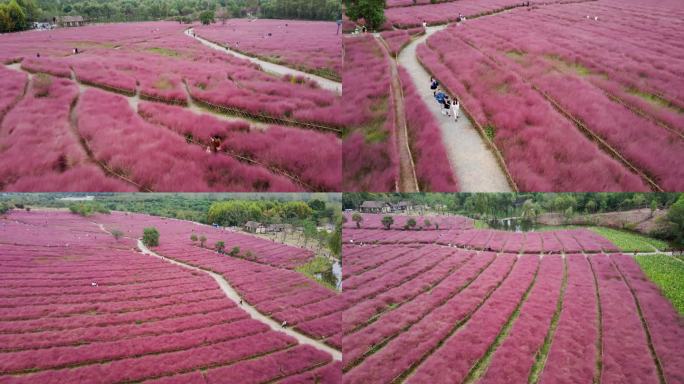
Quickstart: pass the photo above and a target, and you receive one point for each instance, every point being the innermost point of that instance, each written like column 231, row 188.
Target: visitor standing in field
column 424, row 24
column 456, row 108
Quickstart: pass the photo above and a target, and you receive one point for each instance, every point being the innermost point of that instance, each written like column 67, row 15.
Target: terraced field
column 501, row 307
column 78, row 305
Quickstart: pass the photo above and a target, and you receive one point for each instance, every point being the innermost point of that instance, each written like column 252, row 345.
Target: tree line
column 17, row 15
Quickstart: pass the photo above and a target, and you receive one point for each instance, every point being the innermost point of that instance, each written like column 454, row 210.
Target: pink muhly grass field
column 448, row 310
column 157, row 58
column 574, row 73
column 145, row 319
column 40, row 152
column 369, row 150
column 433, row 168
column 399, row 38
column 542, row 149
column 310, row 46
column 157, row 158
column 12, row 84
column 312, row 156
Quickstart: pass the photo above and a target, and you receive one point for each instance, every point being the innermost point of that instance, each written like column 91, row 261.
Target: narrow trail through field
column 232, row 294
column 134, row 101
column 471, row 159
column 408, row 182
column 277, row 69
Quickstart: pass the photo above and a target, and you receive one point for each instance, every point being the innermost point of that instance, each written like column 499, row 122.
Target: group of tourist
column 449, row 107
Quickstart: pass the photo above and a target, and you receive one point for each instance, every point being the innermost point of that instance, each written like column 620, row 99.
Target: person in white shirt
column 455, row 108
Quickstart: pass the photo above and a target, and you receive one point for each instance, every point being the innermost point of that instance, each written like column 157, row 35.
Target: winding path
column 253, row 313
column 471, row 159
column 266, row 66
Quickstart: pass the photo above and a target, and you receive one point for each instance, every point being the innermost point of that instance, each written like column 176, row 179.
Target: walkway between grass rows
column 277, row 69
column 472, row 161
column 232, row 294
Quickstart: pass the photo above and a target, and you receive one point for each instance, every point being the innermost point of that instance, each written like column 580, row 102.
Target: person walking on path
column 456, row 109
column 446, row 106
column 433, row 83
column 439, row 96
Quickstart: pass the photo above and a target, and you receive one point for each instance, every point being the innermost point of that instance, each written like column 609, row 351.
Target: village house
column 69, row 21
column 279, row 228
column 375, row 207
column 254, row 227
column 402, row 206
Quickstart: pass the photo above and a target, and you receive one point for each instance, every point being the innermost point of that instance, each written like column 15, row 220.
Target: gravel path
column 277, row 69
column 253, row 313
column 474, row 164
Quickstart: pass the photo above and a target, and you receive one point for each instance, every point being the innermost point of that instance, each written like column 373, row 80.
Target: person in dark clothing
column 433, row 83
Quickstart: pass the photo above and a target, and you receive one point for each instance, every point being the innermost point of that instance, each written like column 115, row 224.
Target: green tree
column 193, row 238
column 372, row 11
column 427, row 223
column 150, row 237
column 568, row 213
column 17, row 17
column 676, row 218
column 207, row 17
column 235, row 251
column 411, row 223
column 590, row 206
column 387, row 222
column 357, row 218
column 4, row 208
column 220, row 246
column 335, row 240
column 202, row 239
column 654, row 207
column 310, row 231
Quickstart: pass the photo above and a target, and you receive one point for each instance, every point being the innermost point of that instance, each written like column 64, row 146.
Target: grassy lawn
column 625, row 240
column 629, row 241
column 668, row 274
column 480, row 224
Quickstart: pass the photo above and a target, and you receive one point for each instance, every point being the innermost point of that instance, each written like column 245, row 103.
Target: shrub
column 235, row 251
column 117, row 234
column 387, row 222
column 220, row 246
column 150, row 237
column 202, row 239
column 357, row 218
column 193, row 238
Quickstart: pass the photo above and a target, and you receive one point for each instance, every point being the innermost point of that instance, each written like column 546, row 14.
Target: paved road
column 471, row 159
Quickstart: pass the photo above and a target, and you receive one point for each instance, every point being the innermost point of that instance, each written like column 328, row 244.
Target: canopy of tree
column 372, row 11
column 18, row 14
column 519, row 204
